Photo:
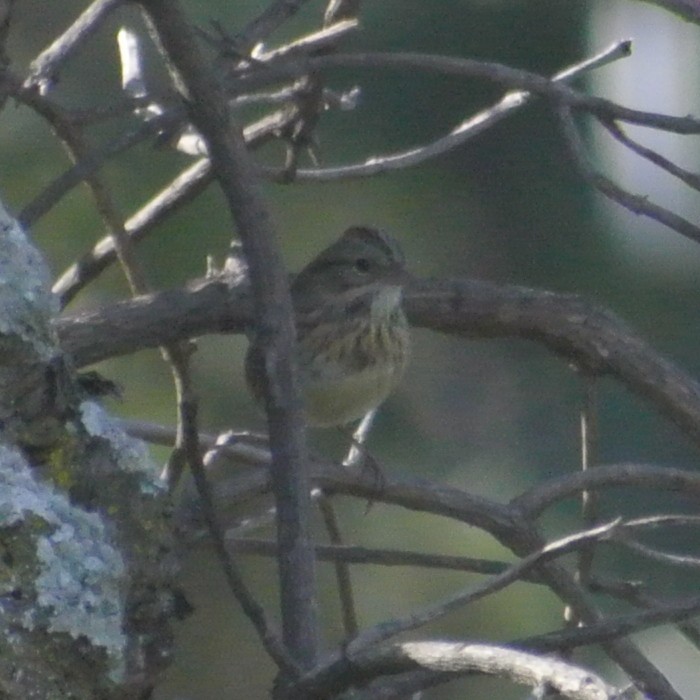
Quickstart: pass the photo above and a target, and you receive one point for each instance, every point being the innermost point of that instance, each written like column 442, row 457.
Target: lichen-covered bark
column 85, row 571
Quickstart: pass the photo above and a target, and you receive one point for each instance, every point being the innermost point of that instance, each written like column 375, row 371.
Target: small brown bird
column 353, row 337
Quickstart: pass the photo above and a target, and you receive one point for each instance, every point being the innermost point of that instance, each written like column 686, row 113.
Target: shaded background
column 491, row 417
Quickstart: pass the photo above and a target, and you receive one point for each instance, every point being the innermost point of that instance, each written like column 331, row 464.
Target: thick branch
column 443, row 660
column 566, row 324
column 237, row 176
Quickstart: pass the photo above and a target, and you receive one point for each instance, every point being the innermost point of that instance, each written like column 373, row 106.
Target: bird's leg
column 359, row 457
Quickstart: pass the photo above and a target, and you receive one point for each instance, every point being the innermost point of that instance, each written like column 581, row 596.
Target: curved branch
column 532, row 503
column 461, row 133
column 566, row 324
column 614, row 627
column 192, row 181
column 441, row 661
column 506, row 524
column 511, row 78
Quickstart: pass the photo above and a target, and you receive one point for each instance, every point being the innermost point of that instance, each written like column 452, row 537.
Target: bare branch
column 189, row 447
column 44, row 67
column 342, row 571
column 141, row 223
column 513, row 532
column 637, row 204
column 533, row 502
column 633, row 592
column 588, row 420
column 511, row 78
column 93, row 161
column 355, row 554
column 311, row 43
column 441, row 661
column 181, row 191
column 590, row 337
column 690, row 179
column 624, row 538
column 391, row 628
column 462, row 132
column 682, row 560
column 239, row 182
column 270, row 19
column 613, row 627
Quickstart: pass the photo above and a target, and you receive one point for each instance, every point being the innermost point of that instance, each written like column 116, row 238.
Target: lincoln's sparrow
column 353, row 340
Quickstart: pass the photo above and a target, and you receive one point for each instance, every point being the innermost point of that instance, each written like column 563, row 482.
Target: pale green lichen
column 129, row 454
column 79, row 586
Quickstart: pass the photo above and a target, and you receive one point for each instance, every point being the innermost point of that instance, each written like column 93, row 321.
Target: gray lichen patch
column 79, row 587
column 36, row 386
column 129, row 454
column 80, row 581
column 85, row 569
column 26, row 301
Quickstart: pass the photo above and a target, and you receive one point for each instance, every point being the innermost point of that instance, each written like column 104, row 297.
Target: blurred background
column 491, row 417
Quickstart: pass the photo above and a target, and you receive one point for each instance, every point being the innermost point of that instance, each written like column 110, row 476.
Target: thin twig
column 689, row 178
column 310, row 43
column 589, row 458
column 682, row 560
column 507, row 76
column 188, row 185
column 182, row 190
column 44, row 67
column 461, row 133
column 635, row 594
column 659, row 521
column 81, row 152
column 374, row 556
column 589, row 452
column 342, row 571
column 84, row 168
column 624, row 538
column 271, row 18
column 495, row 519
column 637, row 204
column 340, row 9
column 533, row 502
column 613, row 628
column 391, row 628
column 73, row 279
column 253, row 610
column 239, row 446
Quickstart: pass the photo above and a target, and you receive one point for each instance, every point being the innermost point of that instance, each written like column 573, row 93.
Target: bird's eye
column 362, row 265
